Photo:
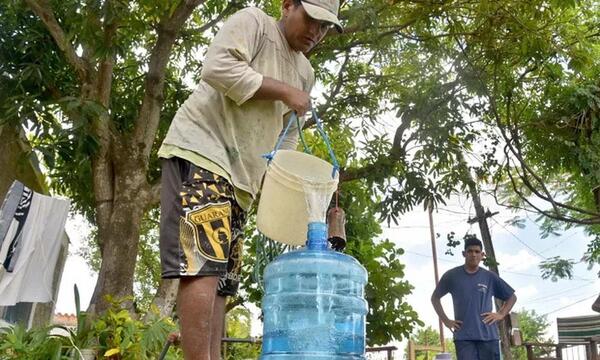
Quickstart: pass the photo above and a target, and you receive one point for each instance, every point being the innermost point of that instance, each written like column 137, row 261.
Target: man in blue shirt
column 472, row 288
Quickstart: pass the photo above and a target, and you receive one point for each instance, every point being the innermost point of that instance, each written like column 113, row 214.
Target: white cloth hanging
column 31, row 229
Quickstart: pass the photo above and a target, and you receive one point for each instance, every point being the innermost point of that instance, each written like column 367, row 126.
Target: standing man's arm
column 227, row 66
column 453, row 325
column 272, row 89
column 492, row 317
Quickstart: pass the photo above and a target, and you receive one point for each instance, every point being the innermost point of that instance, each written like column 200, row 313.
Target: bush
column 115, row 335
column 19, row 343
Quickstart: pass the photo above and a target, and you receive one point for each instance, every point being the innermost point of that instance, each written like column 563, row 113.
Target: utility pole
column 486, row 237
column 435, row 269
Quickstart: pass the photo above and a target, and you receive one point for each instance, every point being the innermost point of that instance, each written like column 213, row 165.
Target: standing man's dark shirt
column 472, row 296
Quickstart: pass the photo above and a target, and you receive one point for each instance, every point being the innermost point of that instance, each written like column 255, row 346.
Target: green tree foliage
column 534, row 69
column 19, row 343
column 533, row 327
column 97, row 83
column 238, row 326
column 429, row 337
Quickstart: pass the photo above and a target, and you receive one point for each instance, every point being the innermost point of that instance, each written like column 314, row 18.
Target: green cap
column 324, row 10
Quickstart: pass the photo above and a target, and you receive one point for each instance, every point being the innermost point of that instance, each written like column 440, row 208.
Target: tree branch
column 146, row 123
column 398, row 149
column 105, row 72
column 43, row 10
column 149, row 115
column 372, row 39
column 527, row 170
column 515, row 150
column 552, row 215
column 380, row 165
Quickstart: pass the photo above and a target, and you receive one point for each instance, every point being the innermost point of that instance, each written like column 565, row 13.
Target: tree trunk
column 486, row 238
column 165, row 297
column 120, row 240
column 115, row 277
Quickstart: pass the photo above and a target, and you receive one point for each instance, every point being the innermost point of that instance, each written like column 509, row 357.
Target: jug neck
column 317, row 236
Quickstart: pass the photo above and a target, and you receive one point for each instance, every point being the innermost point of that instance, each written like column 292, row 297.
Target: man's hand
column 491, row 317
column 174, row 338
column 453, row 325
column 337, row 243
column 297, row 100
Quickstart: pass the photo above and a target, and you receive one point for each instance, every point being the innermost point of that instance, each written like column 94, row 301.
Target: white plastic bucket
column 443, row 356
column 282, row 210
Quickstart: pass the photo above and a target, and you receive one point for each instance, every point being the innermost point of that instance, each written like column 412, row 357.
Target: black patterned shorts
column 201, row 225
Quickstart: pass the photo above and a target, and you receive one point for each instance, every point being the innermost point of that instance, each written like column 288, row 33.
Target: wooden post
column 435, row 270
column 559, row 352
column 486, row 237
column 594, row 348
column 529, row 352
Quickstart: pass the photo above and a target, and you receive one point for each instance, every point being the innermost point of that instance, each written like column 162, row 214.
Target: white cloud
column 522, row 260
column 526, row 292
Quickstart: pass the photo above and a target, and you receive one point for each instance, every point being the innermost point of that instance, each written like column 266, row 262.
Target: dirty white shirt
column 220, row 121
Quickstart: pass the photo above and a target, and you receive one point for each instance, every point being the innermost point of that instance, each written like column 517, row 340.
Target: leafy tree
column 238, row 326
column 429, row 337
column 96, row 84
column 533, row 326
column 539, row 101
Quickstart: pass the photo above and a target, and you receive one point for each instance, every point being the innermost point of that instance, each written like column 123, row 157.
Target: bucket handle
column 294, row 117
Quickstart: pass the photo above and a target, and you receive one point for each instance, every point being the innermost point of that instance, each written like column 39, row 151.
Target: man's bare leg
column 195, row 306
column 218, row 323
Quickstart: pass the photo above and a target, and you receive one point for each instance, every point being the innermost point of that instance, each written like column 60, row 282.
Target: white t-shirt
column 30, row 245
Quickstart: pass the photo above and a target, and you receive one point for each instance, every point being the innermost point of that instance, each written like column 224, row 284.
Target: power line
column 575, row 303
column 521, row 241
column 590, row 282
column 560, row 242
column 504, row 271
column 449, row 222
column 560, row 292
column 530, row 248
column 453, row 211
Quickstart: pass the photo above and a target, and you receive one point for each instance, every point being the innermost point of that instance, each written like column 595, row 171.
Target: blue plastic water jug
column 314, row 306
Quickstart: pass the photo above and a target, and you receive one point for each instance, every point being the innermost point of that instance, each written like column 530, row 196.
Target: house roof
column 65, row 319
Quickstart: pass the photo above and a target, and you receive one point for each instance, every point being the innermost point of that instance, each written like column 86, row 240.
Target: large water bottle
column 314, row 306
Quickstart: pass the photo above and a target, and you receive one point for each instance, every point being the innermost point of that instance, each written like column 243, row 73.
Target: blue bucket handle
column 294, row 117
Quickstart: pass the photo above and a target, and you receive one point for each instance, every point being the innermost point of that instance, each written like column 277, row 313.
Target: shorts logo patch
column 211, row 226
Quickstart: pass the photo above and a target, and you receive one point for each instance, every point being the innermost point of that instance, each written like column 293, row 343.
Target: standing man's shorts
column 201, row 225
column 477, row 350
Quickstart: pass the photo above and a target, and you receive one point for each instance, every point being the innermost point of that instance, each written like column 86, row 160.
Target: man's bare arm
column 272, row 89
column 437, row 306
column 492, row 317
